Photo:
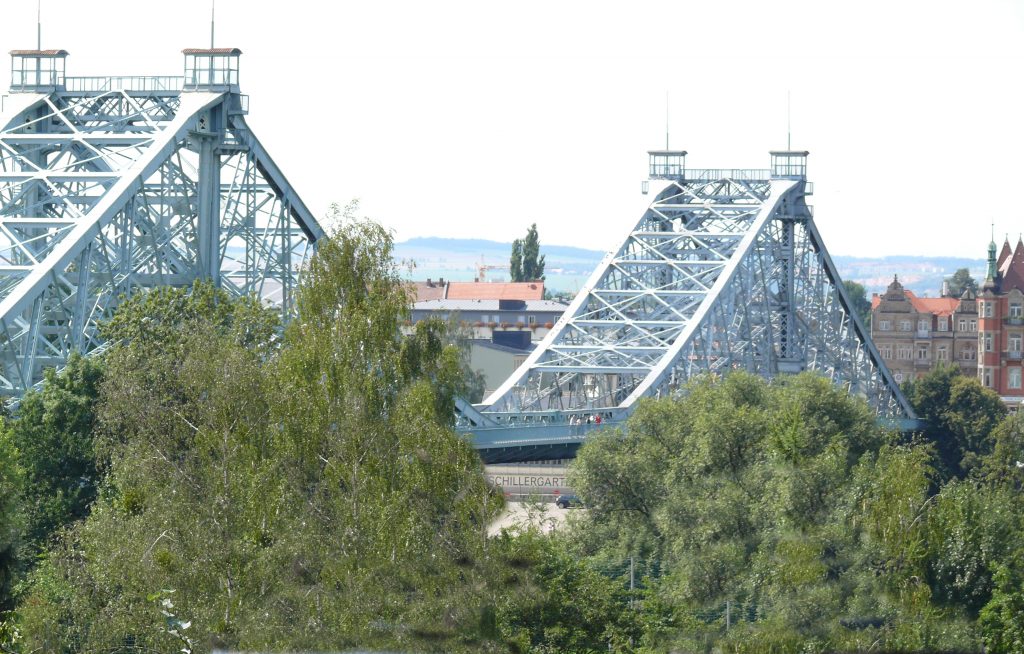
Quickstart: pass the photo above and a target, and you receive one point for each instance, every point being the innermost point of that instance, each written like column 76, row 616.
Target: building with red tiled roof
column 442, row 290
column 495, row 291
column 503, row 321
column 428, row 290
column 1001, row 323
column 913, row 334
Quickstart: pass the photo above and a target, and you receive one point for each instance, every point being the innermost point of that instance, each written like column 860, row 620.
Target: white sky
column 474, row 119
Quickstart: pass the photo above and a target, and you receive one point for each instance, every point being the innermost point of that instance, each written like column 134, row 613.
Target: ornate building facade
column 983, row 333
column 913, row 334
column 1001, row 323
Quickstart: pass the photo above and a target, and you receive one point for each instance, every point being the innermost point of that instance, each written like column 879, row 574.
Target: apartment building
column 913, row 334
column 1001, row 324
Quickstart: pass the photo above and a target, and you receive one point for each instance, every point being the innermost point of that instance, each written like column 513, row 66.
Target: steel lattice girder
column 106, row 194
column 718, row 275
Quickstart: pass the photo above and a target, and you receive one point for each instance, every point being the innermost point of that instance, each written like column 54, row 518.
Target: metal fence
column 124, row 83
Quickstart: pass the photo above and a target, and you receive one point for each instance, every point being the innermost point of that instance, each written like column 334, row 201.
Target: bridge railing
column 739, row 174
column 123, row 83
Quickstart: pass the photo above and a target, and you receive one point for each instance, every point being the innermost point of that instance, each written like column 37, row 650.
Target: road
column 544, row 515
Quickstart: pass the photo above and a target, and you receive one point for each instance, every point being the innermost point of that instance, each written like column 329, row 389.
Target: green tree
column 1002, row 619
column 961, row 415
column 572, row 607
column 516, row 261
column 971, row 530
column 303, row 492
column 961, row 281
column 527, row 263
column 10, row 523
column 861, row 304
column 1003, row 467
column 53, row 434
column 780, row 517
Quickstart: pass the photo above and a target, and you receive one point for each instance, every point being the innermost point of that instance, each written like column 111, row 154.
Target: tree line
column 219, row 481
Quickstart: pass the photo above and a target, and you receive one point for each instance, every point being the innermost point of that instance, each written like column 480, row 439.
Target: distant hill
column 923, row 275
column 568, row 267
column 477, row 246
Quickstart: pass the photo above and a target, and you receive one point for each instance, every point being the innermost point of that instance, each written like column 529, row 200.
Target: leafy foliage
column 10, row 521
column 569, row 607
column 858, row 295
column 527, row 263
column 295, row 493
column 1002, row 619
column 53, row 434
column 961, row 281
column 961, row 416
column 780, row 517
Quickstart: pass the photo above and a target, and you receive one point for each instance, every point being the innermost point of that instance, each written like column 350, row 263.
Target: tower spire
column 990, row 277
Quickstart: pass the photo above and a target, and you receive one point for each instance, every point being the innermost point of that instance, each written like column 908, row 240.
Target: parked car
column 568, row 502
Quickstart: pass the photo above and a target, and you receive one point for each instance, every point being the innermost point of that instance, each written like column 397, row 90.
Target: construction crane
column 482, row 268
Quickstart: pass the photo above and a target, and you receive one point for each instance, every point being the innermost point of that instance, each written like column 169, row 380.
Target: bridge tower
column 113, row 185
column 725, row 270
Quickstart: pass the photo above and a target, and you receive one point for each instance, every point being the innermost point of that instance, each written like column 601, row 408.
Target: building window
column 986, row 377
column 1015, row 342
column 967, row 354
column 922, row 354
column 904, row 325
column 1016, row 310
column 941, row 353
column 924, row 325
column 533, row 320
column 1013, row 378
column 962, row 325
column 943, row 324
column 986, row 309
column 884, row 326
column 886, row 351
column 903, row 352
column 974, row 325
column 986, row 339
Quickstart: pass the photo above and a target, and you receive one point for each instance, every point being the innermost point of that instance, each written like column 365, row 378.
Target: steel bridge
column 725, row 270
column 113, row 185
